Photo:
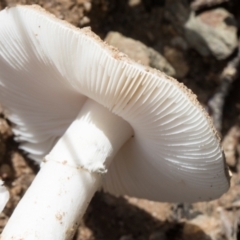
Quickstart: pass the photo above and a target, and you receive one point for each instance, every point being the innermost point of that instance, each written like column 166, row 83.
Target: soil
column 125, row 218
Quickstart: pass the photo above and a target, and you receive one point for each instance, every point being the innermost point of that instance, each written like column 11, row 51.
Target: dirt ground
column 125, row 218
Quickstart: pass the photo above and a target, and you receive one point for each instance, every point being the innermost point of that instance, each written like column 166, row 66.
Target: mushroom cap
column 48, row 68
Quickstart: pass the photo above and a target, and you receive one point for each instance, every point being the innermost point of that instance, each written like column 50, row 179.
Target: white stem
column 60, row 193
column 53, row 205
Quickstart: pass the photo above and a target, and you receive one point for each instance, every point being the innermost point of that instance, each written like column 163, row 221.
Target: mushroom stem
column 53, row 205
column 59, row 195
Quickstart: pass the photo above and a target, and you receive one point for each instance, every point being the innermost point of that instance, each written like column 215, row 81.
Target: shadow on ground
column 111, row 218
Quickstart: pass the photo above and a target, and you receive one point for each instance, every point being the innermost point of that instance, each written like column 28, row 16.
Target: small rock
column 158, row 236
column 20, row 165
column 134, row 49
column 212, row 31
column 127, row 237
column 5, row 171
column 202, row 228
column 230, row 144
column 230, row 221
column 17, row 190
column 159, row 62
column 199, row 4
column 177, row 60
column 85, row 20
column 139, row 52
column 87, row 6
column 133, row 3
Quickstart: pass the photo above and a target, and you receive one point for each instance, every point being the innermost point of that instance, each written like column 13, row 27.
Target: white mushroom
column 103, row 120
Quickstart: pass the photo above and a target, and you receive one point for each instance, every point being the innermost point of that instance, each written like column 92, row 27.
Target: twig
column 227, row 77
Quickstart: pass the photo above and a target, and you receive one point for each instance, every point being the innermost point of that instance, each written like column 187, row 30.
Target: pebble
column 87, row 6
column 6, row 171
column 202, row 227
column 230, row 145
column 126, row 237
column 158, row 236
column 133, row 3
column 199, row 4
column 212, row 32
column 139, row 52
column 176, row 58
column 84, row 21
